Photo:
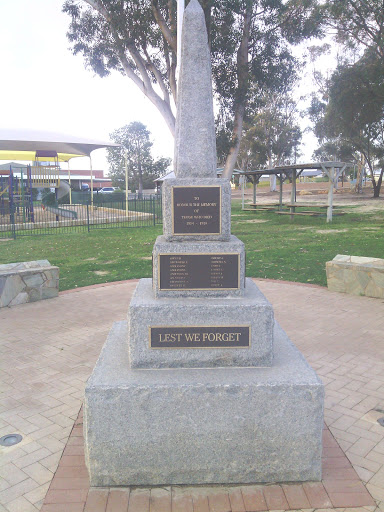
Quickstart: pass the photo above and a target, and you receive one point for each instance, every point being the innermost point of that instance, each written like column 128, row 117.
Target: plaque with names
column 200, row 337
column 199, row 271
column 196, row 210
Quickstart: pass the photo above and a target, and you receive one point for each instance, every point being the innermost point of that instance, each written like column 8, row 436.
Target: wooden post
column 254, row 188
column 242, row 182
column 281, row 192
column 293, row 193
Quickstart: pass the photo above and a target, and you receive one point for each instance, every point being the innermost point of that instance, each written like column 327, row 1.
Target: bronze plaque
column 199, row 271
column 196, row 210
column 200, row 337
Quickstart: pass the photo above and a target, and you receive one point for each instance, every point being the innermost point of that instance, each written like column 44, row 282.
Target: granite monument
column 200, row 385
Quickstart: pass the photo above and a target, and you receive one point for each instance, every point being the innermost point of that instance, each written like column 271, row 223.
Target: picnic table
column 332, row 169
column 305, row 208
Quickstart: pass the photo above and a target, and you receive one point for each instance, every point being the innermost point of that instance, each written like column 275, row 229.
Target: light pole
column 126, row 181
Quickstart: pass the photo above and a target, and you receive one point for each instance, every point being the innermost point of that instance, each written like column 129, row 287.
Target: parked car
column 106, row 190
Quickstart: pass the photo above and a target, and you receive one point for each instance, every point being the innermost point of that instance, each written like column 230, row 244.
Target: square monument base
column 202, row 426
column 252, row 311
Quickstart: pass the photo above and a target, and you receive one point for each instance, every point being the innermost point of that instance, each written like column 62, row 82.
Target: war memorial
column 200, row 385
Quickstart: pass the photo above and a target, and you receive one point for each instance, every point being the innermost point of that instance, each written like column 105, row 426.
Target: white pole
column 90, row 165
column 69, row 179
column 330, row 193
column 126, row 183
column 180, row 14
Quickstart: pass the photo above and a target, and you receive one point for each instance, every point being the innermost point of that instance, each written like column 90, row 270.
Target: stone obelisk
column 200, row 385
column 195, row 140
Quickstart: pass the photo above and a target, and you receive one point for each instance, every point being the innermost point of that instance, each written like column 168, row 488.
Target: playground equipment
column 62, row 190
column 16, row 192
column 46, row 173
column 16, row 196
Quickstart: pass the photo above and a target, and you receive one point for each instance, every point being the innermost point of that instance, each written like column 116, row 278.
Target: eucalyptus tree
column 348, row 110
column 357, row 24
column 250, row 44
column 354, row 115
column 135, row 152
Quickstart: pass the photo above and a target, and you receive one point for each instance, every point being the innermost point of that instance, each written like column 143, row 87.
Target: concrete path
column 49, row 348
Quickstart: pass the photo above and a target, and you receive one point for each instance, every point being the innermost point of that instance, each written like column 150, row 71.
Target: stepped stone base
column 252, row 310
column 191, row 426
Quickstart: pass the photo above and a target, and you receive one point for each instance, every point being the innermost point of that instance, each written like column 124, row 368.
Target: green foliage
column 356, row 95
column 49, row 198
column 272, row 136
column 359, row 24
column 136, row 148
column 352, row 122
column 250, row 44
column 349, row 114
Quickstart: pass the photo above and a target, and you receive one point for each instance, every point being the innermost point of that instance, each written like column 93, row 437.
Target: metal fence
column 83, row 214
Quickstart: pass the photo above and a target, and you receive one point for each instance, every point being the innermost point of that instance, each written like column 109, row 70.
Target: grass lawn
column 276, row 247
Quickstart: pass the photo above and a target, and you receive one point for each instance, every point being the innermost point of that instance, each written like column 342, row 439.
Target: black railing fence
column 19, row 218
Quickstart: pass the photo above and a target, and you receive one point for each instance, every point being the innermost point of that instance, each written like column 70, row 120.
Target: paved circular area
column 49, row 348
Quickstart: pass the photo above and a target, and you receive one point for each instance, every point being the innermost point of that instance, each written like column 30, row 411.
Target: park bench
column 27, row 281
column 311, row 214
column 356, row 275
column 262, row 205
column 259, row 209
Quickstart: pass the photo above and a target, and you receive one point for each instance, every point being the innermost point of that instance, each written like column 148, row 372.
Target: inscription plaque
column 196, row 210
column 199, row 271
column 200, row 337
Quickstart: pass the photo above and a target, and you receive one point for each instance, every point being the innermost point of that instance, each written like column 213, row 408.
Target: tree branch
column 241, row 93
column 169, row 37
column 151, row 66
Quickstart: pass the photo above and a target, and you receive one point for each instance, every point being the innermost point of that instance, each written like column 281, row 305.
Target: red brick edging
column 69, row 491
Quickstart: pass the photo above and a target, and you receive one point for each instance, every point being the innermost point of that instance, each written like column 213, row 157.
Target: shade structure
column 23, row 144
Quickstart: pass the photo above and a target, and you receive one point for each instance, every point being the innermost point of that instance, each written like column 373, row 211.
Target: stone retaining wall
column 356, row 275
column 27, row 281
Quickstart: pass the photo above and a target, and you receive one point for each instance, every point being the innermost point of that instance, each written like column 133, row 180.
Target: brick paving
column 341, row 487
column 49, row 348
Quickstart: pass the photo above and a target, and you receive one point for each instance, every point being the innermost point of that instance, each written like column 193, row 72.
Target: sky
column 45, row 87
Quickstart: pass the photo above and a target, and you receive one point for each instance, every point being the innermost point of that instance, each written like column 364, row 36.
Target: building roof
column 23, row 144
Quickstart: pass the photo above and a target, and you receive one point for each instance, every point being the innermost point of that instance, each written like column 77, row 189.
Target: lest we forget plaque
column 200, row 336
column 196, row 210
column 186, row 271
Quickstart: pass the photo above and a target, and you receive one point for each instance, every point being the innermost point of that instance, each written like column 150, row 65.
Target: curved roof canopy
column 23, row 144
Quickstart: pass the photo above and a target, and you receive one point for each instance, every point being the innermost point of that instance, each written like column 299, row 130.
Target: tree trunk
column 140, row 173
column 230, row 161
column 241, row 96
column 140, row 193
column 359, row 176
column 377, row 184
